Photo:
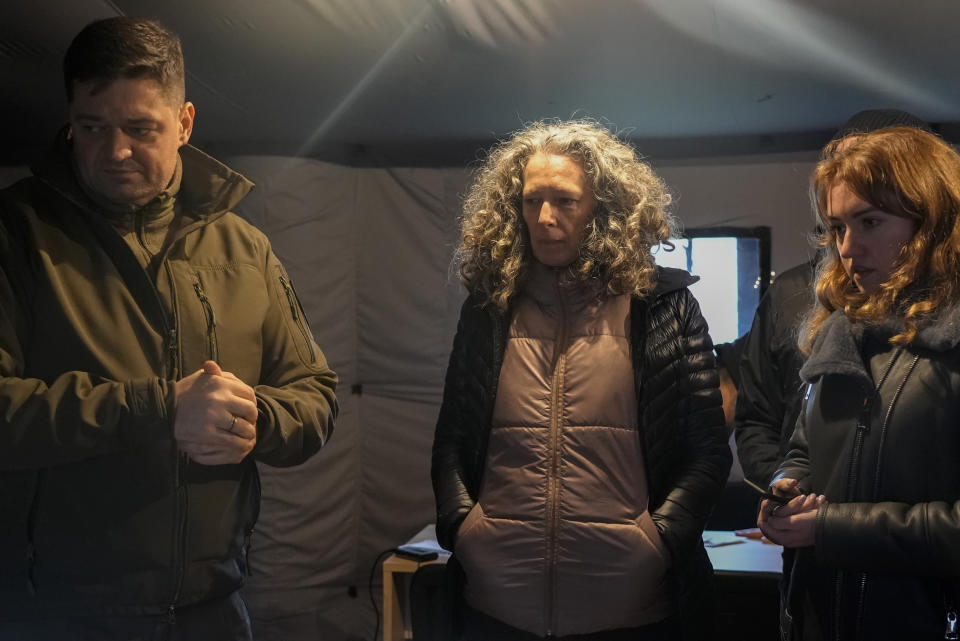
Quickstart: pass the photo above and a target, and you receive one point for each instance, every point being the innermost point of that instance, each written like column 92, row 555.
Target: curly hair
column 630, row 218
column 906, row 172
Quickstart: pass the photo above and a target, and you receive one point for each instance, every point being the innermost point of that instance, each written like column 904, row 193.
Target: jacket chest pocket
column 213, row 348
column 221, row 315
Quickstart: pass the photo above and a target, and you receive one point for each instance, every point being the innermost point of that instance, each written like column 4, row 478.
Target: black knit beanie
column 873, row 119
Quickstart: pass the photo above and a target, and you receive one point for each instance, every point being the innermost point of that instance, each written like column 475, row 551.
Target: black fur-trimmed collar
column 836, row 350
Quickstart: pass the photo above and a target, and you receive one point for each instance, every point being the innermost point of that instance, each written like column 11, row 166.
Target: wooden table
column 397, row 574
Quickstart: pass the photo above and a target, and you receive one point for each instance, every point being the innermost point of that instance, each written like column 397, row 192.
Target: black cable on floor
column 373, row 601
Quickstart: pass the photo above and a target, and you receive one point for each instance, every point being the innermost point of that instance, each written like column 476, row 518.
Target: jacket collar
column 208, row 188
column 554, row 286
column 670, row 279
column 836, row 350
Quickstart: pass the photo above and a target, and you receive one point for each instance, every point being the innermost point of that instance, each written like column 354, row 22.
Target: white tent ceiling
column 405, row 82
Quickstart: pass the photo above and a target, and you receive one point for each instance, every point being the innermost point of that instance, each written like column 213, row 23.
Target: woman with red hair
column 872, row 466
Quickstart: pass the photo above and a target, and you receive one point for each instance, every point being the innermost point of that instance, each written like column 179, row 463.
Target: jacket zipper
column 863, row 423
column 553, row 480
column 863, row 426
column 170, row 365
column 883, row 430
column 295, row 312
column 180, row 462
column 183, row 500
column 876, row 477
column 171, row 361
column 211, row 320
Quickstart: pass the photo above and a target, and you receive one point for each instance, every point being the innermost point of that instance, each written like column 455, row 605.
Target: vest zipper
column 553, row 479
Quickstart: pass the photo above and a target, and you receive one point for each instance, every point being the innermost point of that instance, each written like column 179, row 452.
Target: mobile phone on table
column 770, row 496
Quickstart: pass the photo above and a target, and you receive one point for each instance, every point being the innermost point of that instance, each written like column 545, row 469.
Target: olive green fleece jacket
column 101, row 514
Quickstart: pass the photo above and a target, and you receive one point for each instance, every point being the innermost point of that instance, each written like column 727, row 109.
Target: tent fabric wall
column 368, row 251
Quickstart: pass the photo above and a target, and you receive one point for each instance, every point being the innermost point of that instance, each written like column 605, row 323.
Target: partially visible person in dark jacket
column 770, row 390
column 872, row 462
column 151, row 347
column 580, row 445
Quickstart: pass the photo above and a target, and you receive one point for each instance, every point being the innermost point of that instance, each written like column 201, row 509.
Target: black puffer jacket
column 881, row 441
column 681, row 423
column 770, row 391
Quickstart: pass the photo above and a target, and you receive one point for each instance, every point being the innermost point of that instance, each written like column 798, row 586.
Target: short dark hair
column 125, row 47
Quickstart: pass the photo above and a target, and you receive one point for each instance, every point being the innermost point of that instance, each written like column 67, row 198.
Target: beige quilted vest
column 560, row 541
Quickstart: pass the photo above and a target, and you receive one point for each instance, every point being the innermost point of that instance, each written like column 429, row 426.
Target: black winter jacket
column 879, row 436
column 681, row 424
column 770, row 391
column 100, row 513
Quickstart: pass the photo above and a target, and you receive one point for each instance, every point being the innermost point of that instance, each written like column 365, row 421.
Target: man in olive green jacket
column 151, row 349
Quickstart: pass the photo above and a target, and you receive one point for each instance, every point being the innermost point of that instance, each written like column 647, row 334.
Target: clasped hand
column 216, row 416
column 793, row 524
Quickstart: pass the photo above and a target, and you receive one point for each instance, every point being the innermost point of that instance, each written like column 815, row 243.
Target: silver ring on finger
column 776, row 509
column 233, row 424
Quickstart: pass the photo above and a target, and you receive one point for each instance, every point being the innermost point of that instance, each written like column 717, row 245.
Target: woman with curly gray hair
column 629, row 218
column 580, row 445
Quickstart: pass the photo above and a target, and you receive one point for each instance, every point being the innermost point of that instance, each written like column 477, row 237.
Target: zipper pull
column 171, row 615
column 863, row 422
column 951, row 631
column 290, row 298
column 172, row 351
